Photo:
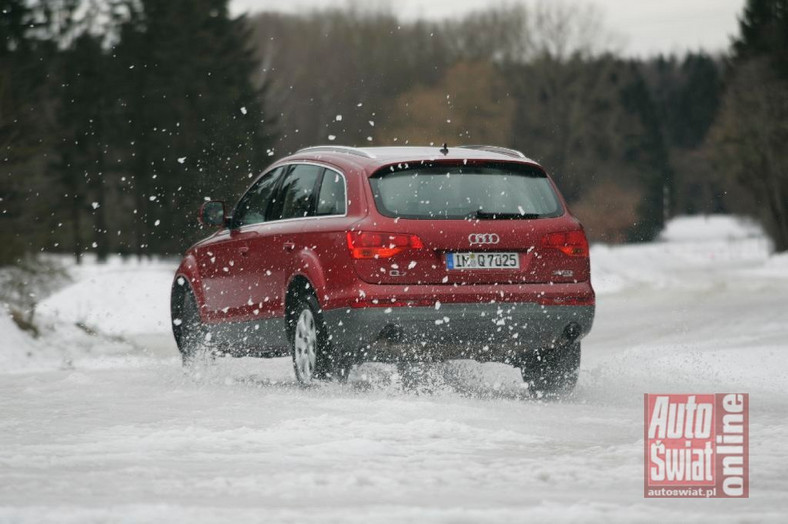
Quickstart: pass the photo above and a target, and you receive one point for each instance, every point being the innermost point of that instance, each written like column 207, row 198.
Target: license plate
column 482, row 261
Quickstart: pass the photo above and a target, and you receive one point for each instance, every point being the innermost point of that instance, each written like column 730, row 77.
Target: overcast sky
column 645, row 27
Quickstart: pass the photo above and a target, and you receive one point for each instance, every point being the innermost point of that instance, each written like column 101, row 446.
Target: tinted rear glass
column 472, row 191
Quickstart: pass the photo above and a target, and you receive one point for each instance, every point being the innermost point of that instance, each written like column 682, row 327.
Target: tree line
column 118, row 118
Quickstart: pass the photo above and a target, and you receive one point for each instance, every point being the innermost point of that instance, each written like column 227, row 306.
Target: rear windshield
column 489, row 191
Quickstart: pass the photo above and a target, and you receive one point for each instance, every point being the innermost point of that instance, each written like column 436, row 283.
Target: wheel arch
column 187, row 278
column 298, row 286
column 307, row 275
column 308, row 266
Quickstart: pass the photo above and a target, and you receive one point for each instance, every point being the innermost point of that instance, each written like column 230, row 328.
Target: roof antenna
column 445, row 149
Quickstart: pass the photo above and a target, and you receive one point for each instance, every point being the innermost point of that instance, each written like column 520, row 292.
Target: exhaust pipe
column 571, row 333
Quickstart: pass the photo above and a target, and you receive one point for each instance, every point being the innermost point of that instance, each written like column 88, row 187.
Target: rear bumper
column 500, row 332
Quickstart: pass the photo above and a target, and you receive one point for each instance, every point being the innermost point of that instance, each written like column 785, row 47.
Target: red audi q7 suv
column 340, row 255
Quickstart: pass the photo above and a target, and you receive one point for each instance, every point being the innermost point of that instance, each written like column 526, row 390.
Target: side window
column 298, row 190
column 331, row 199
column 252, row 206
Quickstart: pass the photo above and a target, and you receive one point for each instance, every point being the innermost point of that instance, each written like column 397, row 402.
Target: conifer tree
column 194, row 121
column 748, row 140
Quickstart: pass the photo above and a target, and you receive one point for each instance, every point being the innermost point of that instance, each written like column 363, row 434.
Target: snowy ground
column 106, row 427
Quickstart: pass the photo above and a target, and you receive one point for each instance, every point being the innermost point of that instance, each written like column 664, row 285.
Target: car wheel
column 553, row 371
column 191, row 335
column 309, row 340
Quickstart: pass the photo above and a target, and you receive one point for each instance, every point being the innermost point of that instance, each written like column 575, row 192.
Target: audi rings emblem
column 483, row 238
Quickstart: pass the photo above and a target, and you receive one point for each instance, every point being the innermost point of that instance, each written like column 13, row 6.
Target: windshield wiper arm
column 500, row 215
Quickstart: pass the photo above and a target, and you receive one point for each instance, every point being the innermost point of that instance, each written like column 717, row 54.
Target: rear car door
column 273, row 249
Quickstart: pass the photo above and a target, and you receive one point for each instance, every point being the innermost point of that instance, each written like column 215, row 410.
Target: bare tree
column 558, row 29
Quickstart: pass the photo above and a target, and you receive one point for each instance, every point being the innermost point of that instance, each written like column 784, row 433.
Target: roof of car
column 373, row 157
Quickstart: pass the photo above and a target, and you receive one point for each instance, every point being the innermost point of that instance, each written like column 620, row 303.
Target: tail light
column 365, row 244
column 572, row 243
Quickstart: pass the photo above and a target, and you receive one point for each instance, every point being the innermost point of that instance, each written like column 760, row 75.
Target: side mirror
column 212, row 214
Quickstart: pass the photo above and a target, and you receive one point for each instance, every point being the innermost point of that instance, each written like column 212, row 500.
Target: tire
column 554, row 371
column 310, row 346
column 191, row 335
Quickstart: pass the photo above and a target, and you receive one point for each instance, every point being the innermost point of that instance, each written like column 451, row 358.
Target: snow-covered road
column 121, row 434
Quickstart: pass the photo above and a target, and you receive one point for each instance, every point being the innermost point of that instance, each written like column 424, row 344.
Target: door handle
column 288, row 246
column 244, row 250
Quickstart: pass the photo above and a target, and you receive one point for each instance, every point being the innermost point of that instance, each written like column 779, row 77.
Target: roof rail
column 497, row 149
column 337, row 149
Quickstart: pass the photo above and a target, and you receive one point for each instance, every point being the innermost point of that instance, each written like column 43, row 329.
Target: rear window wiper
column 500, row 215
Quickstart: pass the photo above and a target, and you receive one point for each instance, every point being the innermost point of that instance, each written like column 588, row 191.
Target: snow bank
column 107, row 313
column 118, row 298
column 688, row 251
column 17, row 346
column 710, row 227
column 775, row 267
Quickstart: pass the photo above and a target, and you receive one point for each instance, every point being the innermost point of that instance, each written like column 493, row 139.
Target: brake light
column 572, row 243
column 365, row 244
